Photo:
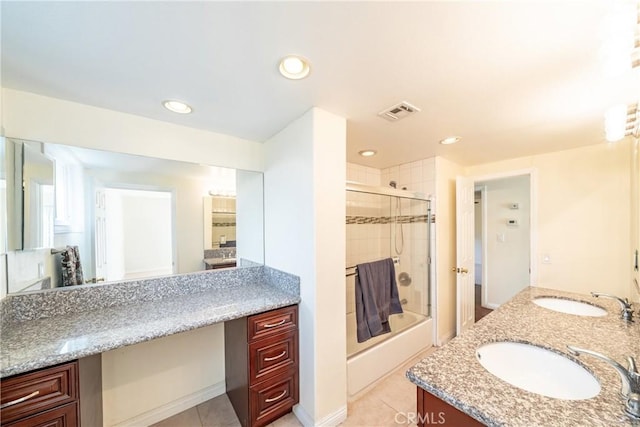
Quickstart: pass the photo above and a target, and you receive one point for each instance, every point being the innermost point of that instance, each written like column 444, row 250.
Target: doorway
column 500, row 241
column 134, row 235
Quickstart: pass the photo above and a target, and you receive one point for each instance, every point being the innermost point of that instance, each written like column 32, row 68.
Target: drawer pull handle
column 278, row 397
column 20, row 400
column 273, row 325
column 269, row 359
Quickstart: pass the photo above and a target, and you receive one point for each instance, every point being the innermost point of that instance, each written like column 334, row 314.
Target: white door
column 465, row 235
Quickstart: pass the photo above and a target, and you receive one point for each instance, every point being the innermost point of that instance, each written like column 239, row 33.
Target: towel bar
column 396, row 260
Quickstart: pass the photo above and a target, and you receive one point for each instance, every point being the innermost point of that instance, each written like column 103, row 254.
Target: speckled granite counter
column 453, row 374
column 50, row 327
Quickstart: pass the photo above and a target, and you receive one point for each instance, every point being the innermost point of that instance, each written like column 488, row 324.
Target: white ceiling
column 513, row 78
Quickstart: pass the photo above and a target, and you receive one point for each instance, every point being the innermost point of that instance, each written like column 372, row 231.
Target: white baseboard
column 175, row 407
column 330, row 420
column 491, row 306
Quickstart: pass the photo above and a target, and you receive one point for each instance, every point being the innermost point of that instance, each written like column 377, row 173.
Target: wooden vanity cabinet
column 433, row 411
column 261, row 363
column 45, row 397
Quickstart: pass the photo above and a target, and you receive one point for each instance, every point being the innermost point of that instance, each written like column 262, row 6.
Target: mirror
column 77, row 216
column 33, row 176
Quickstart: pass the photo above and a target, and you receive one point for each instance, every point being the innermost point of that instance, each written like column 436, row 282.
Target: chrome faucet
column 629, row 377
column 626, row 312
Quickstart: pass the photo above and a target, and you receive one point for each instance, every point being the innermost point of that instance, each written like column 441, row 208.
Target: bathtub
column 371, row 360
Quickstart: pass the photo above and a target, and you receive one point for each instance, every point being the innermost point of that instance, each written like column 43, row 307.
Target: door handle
column 459, row 270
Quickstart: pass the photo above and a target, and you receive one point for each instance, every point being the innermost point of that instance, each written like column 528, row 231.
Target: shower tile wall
column 368, row 242
column 418, row 176
column 364, row 241
column 363, row 174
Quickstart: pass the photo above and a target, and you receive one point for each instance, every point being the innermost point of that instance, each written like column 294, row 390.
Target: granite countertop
column 453, row 374
column 198, row 300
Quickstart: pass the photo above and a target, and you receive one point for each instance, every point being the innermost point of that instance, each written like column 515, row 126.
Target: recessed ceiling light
column 367, row 153
column 450, row 140
column 294, row 67
column 177, row 107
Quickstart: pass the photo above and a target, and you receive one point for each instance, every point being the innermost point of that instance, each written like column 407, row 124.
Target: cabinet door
column 272, row 322
column 272, row 356
column 273, row 398
column 28, row 394
column 433, row 411
column 64, row 416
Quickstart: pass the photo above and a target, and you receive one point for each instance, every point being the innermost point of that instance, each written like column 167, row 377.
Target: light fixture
column 450, row 140
column 367, row 153
column 615, row 122
column 294, row 67
column 177, row 107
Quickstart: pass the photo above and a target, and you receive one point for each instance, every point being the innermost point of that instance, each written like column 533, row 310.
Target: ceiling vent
column 398, row 111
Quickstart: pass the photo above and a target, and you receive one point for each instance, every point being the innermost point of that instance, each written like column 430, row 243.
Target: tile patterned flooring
column 387, row 404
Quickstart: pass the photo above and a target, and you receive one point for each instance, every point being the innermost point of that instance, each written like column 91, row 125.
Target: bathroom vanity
column 48, row 374
column 454, row 388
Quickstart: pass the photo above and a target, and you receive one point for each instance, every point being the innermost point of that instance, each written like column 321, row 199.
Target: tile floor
column 386, row 404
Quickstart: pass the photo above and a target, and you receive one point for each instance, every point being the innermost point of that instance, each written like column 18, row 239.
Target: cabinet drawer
column 271, row 355
column 63, row 416
column 272, row 322
column 273, row 398
column 38, row 391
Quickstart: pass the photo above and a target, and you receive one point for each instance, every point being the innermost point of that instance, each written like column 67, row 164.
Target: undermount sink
column 538, row 370
column 570, row 306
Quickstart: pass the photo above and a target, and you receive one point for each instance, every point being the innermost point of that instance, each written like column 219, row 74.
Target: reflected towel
column 71, row 267
column 376, row 298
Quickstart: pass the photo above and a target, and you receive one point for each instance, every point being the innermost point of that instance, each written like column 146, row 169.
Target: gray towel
column 376, row 298
column 71, row 267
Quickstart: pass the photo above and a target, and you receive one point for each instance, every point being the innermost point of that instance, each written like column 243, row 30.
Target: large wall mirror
column 79, row 216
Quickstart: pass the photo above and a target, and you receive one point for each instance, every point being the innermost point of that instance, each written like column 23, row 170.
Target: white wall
column 139, row 379
column 583, row 216
column 147, row 247
column 39, row 118
column 508, row 247
column 34, row 117
column 249, row 206
column 305, row 235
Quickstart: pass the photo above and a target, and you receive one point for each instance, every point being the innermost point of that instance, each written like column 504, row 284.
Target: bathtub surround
column 490, row 400
column 381, row 225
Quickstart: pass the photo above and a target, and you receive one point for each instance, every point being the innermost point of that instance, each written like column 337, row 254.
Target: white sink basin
column 538, row 370
column 570, row 306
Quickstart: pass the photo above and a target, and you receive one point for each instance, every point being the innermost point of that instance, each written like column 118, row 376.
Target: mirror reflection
column 78, row 216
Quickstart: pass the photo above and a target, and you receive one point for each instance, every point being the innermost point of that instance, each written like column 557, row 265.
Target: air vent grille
column 398, row 111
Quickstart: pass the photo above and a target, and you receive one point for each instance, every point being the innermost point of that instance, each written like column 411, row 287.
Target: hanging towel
column 71, row 267
column 376, row 298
